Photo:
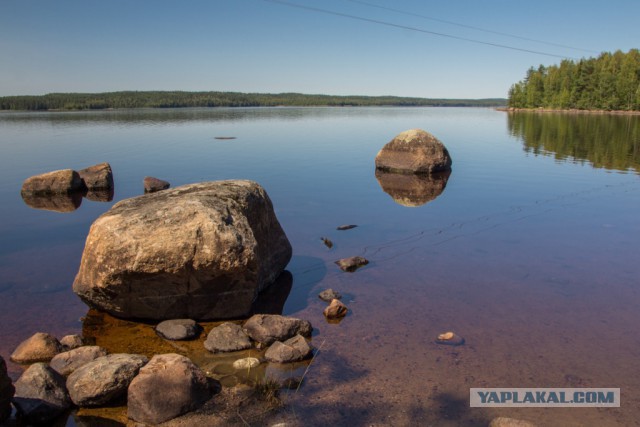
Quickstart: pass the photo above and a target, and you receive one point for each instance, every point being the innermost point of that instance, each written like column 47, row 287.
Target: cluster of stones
column 61, row 376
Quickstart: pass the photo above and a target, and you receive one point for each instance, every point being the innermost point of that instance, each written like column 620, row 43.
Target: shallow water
column 528, row 250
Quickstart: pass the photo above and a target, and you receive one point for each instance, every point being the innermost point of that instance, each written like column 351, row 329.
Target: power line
column 406, row 27
column 403, row 12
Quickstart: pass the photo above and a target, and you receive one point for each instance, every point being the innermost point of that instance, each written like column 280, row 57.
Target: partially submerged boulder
column 152, row 184
column 6, row 391
column 268, row 328
column 199, row 251
column 227, row 337
column 63, row 181
column 168, row 386
column 97, row 177
column 292, row 350
column 351, row 264
column 414, row 151
column 41, row 394
column 40, row 347
column 178, row 329
column 335, row 310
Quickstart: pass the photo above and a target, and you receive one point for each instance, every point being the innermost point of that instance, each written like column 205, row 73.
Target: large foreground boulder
column 168, row 386
column 199, row 251
column 6, row 391
column 414, row 151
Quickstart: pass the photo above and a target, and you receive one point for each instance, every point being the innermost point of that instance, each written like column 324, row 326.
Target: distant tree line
column 609, row 82
column 177, row 99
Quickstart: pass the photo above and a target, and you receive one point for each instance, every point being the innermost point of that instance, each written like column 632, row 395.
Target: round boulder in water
column 414, row 151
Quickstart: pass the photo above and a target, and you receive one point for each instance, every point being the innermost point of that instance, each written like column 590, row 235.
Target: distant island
column 179, row 99
column 610, row 82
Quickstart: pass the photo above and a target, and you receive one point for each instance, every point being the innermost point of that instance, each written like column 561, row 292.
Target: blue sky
column 260, row 46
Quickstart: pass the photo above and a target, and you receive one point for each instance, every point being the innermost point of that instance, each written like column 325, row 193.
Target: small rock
column 183, row 387
column 267, row 328
column 509, row 422
column 227, row 337
column 449, row 338
column 328, row 243
column 352, row 264
column 97, row 177
column 69, row 342
column 346, row 227
column 151, row 184
column 41, row 394
column 40, row 347
column 291, row 350
column 67, row 362
column 63, row 181
column 335, row 310
column 6, row 391
column 178, row 329
column 329, row 294
column 246, row 363
column 104, row 380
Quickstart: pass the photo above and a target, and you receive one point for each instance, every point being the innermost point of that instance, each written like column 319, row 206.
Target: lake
column 529, row 249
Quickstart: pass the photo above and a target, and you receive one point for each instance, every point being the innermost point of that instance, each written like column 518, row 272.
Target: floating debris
column 449, row 338
column 346, row 227
column 328, row 243
column 352, row 264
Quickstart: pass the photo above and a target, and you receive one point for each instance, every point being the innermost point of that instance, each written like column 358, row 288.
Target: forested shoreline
column 179, row 99
column 610, row 82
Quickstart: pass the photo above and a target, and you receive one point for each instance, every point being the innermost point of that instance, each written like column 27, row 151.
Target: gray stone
column 67, row 362
column 510, row 422
column 6, row 391
column 40, row 347
column 200, row 251
column 227, row 337
column 104, row 380
column 97, row 177
column 329, row 294
column 267, row 328
column 291, row 350
column 414, row 151
column 63, row 181
column 351, row 264
column 69, row 342
column 178, row 329
column 168, row 386
column 151, row 184
column 41, row 394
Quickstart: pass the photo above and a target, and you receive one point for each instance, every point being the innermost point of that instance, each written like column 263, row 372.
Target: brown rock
column 40, row 347
column 151, row 184
column 97, row 177
column 69, row 342
column 335, row 310
column 412, row 190
column 6, row 391
column 41, row 395
column 67, row 362
column 168, row 386
column 291, row 350
column 63, row 181
column 510, row 422
column 414, row 151
column 352, row 264
column 449, row 338
column 200, row 251
column 267, row 328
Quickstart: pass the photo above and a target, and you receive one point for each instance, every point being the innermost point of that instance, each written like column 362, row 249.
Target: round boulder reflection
column 412, row 190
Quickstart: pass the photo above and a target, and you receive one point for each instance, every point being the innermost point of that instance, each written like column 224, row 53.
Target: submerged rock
column 414, row 151
column 412, row 190
column 246, row 363
column 168, row 386
column 346, row 227
column 178, row 329
column 97, row 177
column 450, row 338
column 227, row 337
column 291, row 350
column 267, row 328
column 200, row 251
column 151, row 184
column 6, row 391
column 351, row 264
column 63, row 181
column 329, row 294
column 327, row 242
column 67, row 362
column 41, row 394
column 53, row 202
column 335, row 310
column 104, row 380
column 40, row 347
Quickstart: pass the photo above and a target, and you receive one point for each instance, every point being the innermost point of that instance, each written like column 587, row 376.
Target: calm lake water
column 530, row 251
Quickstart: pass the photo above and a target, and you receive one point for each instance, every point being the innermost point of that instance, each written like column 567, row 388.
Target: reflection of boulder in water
column 272, row 299
column 54, row 202
column 100, row 195
column 413, row 190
